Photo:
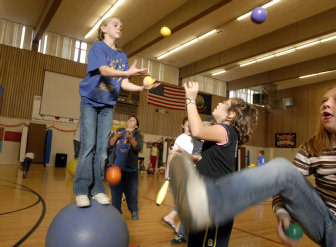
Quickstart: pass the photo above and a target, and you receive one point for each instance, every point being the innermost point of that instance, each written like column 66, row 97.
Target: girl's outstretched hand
column 191, row 89
column 149, row 87
column 134, row 71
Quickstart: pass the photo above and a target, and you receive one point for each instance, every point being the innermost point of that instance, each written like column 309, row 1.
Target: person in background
column 26, row 163
column 76, row 140
column 261, row 159
column 127, row 144
column 153, row 155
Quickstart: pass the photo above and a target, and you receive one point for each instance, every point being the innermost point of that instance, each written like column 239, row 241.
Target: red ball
column 113, row 175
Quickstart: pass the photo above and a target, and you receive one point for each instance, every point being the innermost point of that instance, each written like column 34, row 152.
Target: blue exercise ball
column 97, row 225
column 259, row 15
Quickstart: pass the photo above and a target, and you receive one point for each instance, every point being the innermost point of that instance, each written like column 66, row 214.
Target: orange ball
column 113, row 175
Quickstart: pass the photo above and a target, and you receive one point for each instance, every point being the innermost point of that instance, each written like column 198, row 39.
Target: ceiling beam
column 285, row 73
column 309, row 28
column 39, row 30
column 188, row 13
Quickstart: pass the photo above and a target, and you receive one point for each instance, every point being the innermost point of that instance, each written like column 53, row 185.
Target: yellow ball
column 71, row 167
column 148, row 81
column 165, row 31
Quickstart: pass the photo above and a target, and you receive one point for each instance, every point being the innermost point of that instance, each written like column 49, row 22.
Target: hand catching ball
column 294, row 231
column 148, row 81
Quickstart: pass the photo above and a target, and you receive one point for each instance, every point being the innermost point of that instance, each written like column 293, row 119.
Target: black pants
column 216, row 236
column 129, row 186
column 26, row 164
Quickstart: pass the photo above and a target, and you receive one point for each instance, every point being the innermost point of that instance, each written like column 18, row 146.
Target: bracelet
column 190, row 101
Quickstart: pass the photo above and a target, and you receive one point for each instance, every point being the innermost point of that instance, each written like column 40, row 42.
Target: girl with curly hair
column 234, row 121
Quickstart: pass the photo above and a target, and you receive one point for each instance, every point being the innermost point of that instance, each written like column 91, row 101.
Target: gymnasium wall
column 22, row 75
column 302, row 118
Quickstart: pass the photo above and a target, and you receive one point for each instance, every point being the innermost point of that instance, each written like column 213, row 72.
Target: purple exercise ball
column 259, row 15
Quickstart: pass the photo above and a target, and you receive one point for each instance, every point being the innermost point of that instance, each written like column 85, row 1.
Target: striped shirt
column 324, row 170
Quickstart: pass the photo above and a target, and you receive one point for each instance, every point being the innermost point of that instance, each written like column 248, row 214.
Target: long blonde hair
column 246, row 117
column 100, row 33
column 318, row 143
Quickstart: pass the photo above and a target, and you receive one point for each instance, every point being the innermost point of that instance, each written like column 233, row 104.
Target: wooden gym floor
column 21, row 211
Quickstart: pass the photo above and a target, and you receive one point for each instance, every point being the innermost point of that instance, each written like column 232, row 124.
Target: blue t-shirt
column 121, row 152
column 97, row 90
column 261, row 160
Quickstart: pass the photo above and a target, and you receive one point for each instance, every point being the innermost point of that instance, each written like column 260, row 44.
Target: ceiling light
column 284, row 52
column 186, row 44
column 265, row 6
column 321, row 73
column 107, row 14
column 244, row 16
column 309, row 44
column 207, row 34
column 265, row 58
column 219, row 72
column 248, row 63
column 328, row 39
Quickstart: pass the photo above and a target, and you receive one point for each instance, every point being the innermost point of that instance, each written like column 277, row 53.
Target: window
column 80, row 51
column 245, row 94
column 22, row 36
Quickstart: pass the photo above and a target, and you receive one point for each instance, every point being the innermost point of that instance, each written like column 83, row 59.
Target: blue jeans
column 129, row 186
column 95, row 127
column 232, row 194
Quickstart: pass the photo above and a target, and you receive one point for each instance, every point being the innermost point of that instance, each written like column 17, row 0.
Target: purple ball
column 259, row 15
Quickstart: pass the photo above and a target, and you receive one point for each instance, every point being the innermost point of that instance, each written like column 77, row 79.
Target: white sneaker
column 101, row 198
column 82, row 201
column 190, row 193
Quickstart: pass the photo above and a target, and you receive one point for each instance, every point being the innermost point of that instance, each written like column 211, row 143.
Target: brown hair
column 246, row 117
column 185, row 119
column 100, row 33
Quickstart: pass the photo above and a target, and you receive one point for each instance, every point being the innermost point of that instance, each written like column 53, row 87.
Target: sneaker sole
column 192, row 203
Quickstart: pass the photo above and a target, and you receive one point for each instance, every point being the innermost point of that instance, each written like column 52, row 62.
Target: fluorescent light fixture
column 219, row 72
column 244, row 16
column 207, row 34
column 248, row 63
column 265, row 58
column 189, row 43
column 307, row 45
column 265, row 6
column 107, row 14
column 328, row 39
column 321, row 73
column 45, row 44
column 284, row 52
column 186, row 44
column 22, row 37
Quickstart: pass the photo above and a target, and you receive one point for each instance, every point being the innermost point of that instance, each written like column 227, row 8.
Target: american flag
column 168, row 97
